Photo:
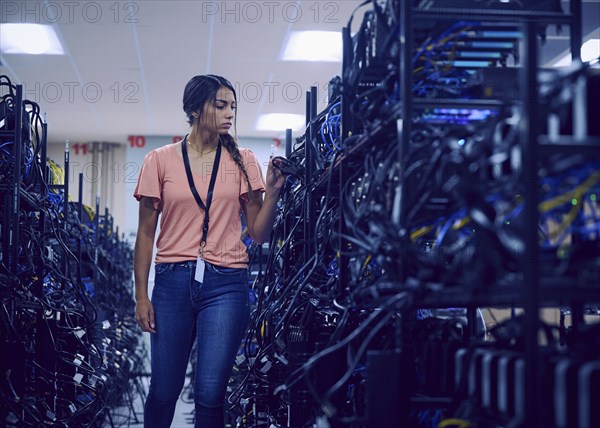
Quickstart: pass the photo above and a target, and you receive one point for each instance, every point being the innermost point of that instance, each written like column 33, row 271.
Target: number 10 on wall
column 137, row 141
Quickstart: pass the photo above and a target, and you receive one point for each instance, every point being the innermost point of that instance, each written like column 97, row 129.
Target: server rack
column 70, row 338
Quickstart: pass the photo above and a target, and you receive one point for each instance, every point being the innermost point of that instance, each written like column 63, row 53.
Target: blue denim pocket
column 161, row 268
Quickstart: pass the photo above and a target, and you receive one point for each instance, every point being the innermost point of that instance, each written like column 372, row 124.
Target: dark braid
column 232, row 147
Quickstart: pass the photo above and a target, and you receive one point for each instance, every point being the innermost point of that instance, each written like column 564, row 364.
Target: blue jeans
column 216, row 314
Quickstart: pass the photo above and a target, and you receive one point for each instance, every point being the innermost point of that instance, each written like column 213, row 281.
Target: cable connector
column 287, row 167
column 282, row 359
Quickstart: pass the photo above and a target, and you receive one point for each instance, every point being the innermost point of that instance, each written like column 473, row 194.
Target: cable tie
column 282, row 359
column 266, row 367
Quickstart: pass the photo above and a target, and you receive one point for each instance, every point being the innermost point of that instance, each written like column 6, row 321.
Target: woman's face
column 218, row 116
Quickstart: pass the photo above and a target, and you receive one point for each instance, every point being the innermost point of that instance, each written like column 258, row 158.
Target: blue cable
column 446, row 226
column 448, row 31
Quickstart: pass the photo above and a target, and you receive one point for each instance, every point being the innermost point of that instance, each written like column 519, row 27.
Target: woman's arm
column 260, row 214
column 142, row 259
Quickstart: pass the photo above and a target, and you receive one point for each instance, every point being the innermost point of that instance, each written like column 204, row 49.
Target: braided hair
column 202, row 89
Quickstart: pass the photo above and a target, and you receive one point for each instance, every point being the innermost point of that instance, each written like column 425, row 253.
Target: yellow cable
column 567, row 221
column 366, row 261
column 576, row 193
column 89, row 211
column 57, row 173
column 420, row 232
column 459, row 423
column 461, row 223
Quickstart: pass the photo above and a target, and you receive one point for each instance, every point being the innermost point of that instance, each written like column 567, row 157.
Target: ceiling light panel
column 29, row 39
column 314, row 46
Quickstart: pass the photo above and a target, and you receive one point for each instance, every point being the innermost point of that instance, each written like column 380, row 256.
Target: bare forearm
column 144, row 244
column 141, row 261
column 263, row 224
column 261, row 214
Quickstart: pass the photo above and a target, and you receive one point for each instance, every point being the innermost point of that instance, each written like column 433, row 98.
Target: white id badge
column 199, row 276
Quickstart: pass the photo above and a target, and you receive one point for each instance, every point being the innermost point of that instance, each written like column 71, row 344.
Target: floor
column 131, row 414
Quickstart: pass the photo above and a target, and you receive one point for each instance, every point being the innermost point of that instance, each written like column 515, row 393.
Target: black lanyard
column 211, row 187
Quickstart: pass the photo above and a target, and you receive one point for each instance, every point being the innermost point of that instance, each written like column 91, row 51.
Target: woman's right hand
column 144, row 314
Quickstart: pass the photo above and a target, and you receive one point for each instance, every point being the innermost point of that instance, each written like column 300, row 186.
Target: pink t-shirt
column 163, row 177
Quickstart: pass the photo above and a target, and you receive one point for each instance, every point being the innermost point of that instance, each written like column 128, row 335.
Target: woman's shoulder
column 163, row 152
column 160, row 156
column 168, row 149
column 246, row 153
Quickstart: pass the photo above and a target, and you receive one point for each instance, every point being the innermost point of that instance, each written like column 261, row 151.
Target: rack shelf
column 589, row 146
column 553, row 293
column 494, row 15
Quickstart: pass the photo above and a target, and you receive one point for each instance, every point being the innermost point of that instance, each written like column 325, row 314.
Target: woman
column 200, row 289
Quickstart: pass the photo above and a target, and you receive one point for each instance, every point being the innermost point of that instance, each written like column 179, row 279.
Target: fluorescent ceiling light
column 314, row 46
column 280, row 122
column 589, row 50
column 32, row 39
